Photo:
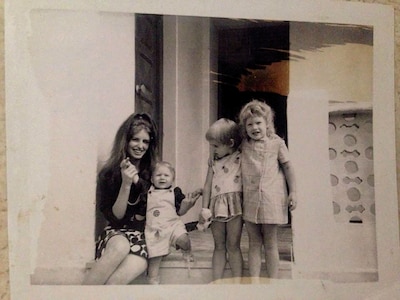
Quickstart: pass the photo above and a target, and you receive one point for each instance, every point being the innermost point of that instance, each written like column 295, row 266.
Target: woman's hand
column 129, row 173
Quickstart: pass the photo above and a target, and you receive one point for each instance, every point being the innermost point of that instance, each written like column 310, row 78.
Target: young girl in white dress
column 265, row 197
column 222, row 197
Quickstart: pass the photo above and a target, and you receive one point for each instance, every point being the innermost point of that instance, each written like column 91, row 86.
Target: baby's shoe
column 187, row 256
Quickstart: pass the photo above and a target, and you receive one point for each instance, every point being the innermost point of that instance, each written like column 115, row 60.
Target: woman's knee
column 118, row 245
column 130, row 268
column 138, row 263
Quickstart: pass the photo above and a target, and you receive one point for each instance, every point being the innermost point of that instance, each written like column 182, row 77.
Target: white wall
column 82, row 66
column 322, row 247
column 83, row 73
column 187, row 101
column 344, row 72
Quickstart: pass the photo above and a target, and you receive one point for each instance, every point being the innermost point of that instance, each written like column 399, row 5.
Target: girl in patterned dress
column 222, row 197
column 121, row 252
column 265, row 197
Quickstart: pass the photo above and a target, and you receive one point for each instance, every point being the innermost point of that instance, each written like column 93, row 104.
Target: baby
column 164, row 228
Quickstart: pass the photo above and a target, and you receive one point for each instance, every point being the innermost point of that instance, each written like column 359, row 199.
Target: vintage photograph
column 157, row 146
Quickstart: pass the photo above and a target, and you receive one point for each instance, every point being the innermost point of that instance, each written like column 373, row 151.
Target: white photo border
column 380, row 17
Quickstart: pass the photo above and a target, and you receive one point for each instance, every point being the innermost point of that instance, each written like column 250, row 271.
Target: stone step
column 174, row 270
column 200, row 272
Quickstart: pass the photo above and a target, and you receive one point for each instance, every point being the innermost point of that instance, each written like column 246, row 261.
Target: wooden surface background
column 4, row 279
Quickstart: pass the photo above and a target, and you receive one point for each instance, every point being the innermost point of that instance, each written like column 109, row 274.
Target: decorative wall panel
column 351, row 163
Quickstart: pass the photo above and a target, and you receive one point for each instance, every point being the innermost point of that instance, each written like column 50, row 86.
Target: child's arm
column 291, row 181
column 205, row 213
column 207, row 187
column 189, row 202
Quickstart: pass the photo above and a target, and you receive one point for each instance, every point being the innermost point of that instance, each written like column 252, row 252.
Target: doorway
column 148, row 70
column 253, row 63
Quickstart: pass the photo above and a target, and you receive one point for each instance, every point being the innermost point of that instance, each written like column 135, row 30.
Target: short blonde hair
column 256, row 108
column 164, row 164
column 224, row 131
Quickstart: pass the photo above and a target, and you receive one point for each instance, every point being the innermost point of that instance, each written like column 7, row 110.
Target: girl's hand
column 204, row 219
column 196, row 194
column 129, row 172
column 201, row 219
column 205, row 215
column 210, row 160
column 189, row 201
column 292, row 201
column 191, row 198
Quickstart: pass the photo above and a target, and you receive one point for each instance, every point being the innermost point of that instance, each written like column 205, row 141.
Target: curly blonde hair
column 257, row 108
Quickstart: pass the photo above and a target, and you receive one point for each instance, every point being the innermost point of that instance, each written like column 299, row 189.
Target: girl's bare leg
column 219, row 255
column 154, row 270
column 115, row 252
column 255, row 244
column 234, row 233
column 130, row 268
column 271, row 249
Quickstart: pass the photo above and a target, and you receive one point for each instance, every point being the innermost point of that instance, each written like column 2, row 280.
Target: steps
column 174, row 270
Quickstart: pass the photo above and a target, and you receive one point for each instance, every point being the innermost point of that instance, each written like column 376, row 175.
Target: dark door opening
column 253, row 63
column 148, row 70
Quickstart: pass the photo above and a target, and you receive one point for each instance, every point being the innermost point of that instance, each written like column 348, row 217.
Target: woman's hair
column 131, row 126
column 223, row 131
column 256, row 108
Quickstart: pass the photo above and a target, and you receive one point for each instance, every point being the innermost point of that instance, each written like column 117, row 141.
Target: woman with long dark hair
column 121, row 253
